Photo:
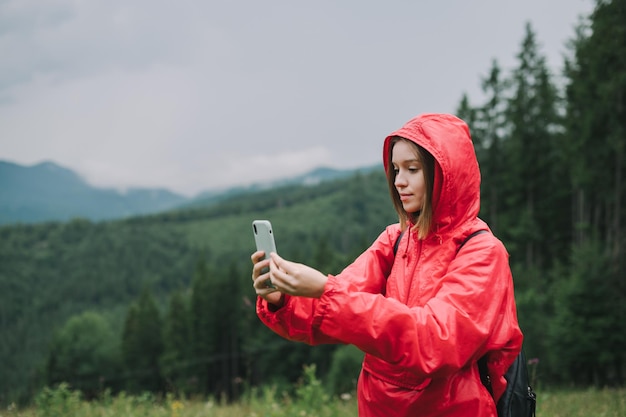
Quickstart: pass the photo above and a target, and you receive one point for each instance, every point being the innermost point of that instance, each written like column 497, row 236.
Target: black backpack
column 519, row 399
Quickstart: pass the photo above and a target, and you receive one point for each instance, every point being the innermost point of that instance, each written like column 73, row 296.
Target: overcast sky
column 197, row 95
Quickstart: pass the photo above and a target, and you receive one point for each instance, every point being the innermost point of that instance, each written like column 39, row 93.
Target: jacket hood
column 456, row 188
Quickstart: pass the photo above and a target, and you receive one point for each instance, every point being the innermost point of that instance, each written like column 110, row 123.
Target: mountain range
column 49, row 192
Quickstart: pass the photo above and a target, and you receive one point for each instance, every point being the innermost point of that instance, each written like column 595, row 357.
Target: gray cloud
column 194, row 95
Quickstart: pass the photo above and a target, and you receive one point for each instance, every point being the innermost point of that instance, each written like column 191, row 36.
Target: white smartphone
column 264, row 239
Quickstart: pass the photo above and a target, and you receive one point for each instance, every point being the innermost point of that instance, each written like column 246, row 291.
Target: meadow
column 308, row 400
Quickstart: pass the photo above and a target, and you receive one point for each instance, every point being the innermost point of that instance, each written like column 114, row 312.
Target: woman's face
column 409, row 181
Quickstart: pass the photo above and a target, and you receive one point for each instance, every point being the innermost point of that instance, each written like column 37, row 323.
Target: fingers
column 260, row 265
column 279, row 262
column 274, row 277
column 278, row 266
column 295, row 278
column 260, row 268
column 283, row 274
column 257, row 256
column 260, row 273
column 271, row 295
column 263, row 286
column 262, row 283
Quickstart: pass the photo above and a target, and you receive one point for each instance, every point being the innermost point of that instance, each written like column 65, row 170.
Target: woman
column 425, row 314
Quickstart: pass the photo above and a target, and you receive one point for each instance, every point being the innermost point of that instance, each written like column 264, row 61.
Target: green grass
column 310, row 400
column 579, row 403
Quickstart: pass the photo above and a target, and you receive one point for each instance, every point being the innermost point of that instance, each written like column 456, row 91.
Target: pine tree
column 531, row 155
column 489, row 129
column 205, row 301
column 177, row 355
column 142, row 345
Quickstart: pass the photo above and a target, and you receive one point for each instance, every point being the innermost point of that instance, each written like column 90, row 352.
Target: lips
column 404, row 197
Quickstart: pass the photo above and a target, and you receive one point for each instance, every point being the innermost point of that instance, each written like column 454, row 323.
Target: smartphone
column 264, row 239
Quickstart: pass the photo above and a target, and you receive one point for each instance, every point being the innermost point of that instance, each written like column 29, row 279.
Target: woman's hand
column 296, row 279
column 284, row 277
column 262, row 282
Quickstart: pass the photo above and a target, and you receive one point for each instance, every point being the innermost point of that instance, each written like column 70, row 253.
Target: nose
column 399, row 180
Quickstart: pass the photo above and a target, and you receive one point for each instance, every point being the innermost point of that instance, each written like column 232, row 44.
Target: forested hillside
column 55, row 272
column 165, row 302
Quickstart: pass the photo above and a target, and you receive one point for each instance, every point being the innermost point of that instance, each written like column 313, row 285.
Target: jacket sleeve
column 366, row 276
column 472, row 312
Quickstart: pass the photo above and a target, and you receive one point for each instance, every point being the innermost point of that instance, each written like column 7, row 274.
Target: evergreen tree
column 177, row 353
column 532, row 112
column 142, row 345
column 229, row 334
column 489, row 130
column 205, row 299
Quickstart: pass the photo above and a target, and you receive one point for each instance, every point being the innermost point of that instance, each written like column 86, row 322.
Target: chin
column 412, row 208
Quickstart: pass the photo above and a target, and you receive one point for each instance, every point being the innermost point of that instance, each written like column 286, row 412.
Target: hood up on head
column 456, row 188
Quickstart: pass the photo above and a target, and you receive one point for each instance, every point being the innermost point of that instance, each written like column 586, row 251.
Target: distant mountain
column 313, row 177
column 47, row 191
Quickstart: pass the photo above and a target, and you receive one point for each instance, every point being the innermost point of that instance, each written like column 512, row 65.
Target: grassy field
column 590, row 403
column 310, row 401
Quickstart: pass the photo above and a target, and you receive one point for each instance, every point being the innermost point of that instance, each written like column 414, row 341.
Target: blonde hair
column 423, row 219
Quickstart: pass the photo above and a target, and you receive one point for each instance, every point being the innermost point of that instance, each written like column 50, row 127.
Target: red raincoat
column 424, row 320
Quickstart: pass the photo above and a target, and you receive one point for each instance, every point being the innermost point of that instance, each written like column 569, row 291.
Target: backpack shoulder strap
column 477, row 232
column 395, row 246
